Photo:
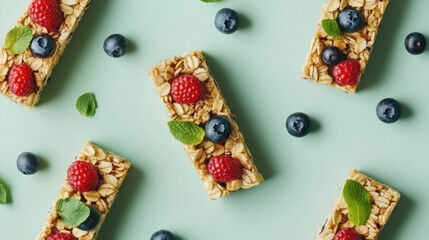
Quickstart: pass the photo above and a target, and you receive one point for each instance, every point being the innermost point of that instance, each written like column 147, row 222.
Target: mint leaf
column 86, row 104
column 188, row 133
column 3, row 194
column 18, row 39
column 72, row 211
column 210, row 1
column 358, row 202
column 332, row 28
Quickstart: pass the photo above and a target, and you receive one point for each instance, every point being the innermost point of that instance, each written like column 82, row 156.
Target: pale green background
column 258, row 71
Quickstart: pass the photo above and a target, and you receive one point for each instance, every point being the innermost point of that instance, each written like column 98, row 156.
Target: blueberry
column 27, row 163
column 332, row 56
column 163, row 235
column 92, row 221
column 115, row 45
column 298, row 124
column 218, row 129
column 388, row 110
column 415, row 43
column 227, row 21
column 42, row 46
column 350, row 20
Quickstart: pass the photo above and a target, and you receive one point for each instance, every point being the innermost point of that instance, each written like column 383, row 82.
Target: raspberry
column 224, row 168
column 46, row 13
column 187, row 89
column 347, row 234
column 347, row 72
column 21, row 80
column 82, row 176
column 61, row 236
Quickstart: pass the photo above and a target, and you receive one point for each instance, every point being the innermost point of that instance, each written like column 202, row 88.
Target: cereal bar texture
column 214, row 104
column 73, row 11
column 112, row 169
column 357, row 46
column 383, row 201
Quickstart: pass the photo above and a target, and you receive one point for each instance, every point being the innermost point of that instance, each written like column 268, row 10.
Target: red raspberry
column 21, row 80
column 61, row 236
column 187, row 89
column 46, row 13
column 224, row 168
column 82, row 176
column 347, row 234
column 347, row 72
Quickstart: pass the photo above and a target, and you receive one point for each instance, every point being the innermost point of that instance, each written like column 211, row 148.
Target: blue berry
column 332, row 56
column 163, row 235
column 415, row 43
column 42, row 46
column 92, row 221
column 218, row 129
column 27, row 163
column 227, row 21
column 298, row 124
column 350, row 20
column 115, row 45
column 388, row 110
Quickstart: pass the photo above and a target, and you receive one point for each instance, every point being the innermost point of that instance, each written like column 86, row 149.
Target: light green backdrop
column 258, row 71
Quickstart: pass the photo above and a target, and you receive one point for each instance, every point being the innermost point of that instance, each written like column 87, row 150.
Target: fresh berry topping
column 42, row 46
column 21, row 80
column 47, row 13
column 346, row 72
column 27, row 163
column 187, row 89
column 218, row 129
column 163, row 235
column 415, row 43
column 82, row 176
column 61, row 236
column 224, row 168
column 227, row 21
column 298, row 124
column 115, row 45
column 347, row 234
column 388, row 110
column 332, row 56
column 92, row 221
column 350, row 20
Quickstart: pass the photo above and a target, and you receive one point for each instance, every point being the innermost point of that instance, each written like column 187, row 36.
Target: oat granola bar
column 73, row 11
column 112, row 170
column 356, row 46
column 383, row 201
column 194, row 64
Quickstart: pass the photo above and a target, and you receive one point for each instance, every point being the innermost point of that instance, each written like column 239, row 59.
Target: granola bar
column 42, row 67
column 383, row 201
column 356, row 46
column 194, row 64
column 112, row 170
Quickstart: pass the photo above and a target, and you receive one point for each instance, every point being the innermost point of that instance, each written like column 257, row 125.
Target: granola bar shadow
column 255, row 145
column 399, row 217
column 78, row 44
column 122, row 207
column 379, row 63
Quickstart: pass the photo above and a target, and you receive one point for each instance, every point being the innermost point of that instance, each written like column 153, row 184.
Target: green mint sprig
column 332, row 28
column 188, row 133
column 86, row 104
column 358, row 202
column 3, row 194
column 18, row 39
column 72, row 211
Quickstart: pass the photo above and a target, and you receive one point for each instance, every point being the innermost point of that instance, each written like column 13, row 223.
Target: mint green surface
column 258, row 69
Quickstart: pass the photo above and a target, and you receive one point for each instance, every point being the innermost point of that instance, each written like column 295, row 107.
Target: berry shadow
column 315, row 126
column 256, row 146
column 43, row 164
column 132, row 47
column 122, row 205
column 78, row 45
column 402, row 212
column 384, row 46
column 8, row 191
column 245, row 22
column 407, row 111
